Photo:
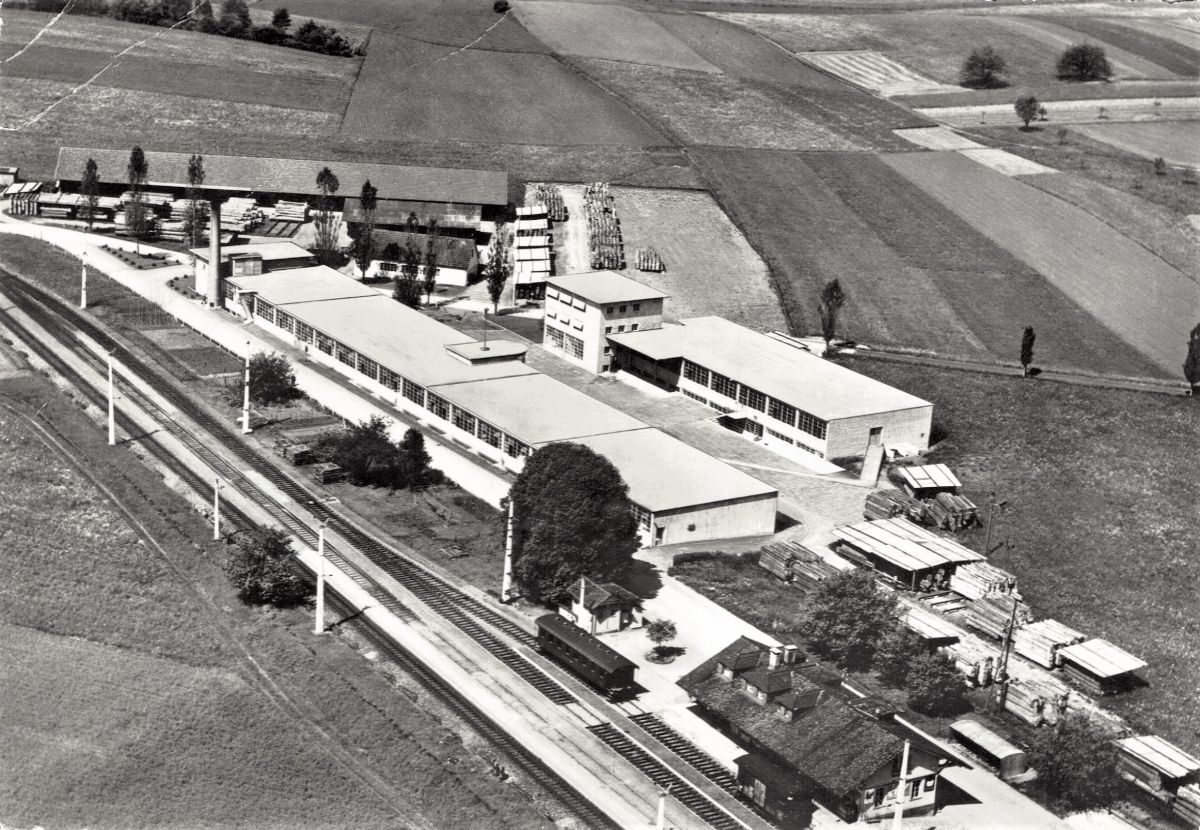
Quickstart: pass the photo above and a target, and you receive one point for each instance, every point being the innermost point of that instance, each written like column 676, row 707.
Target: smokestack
column 774, row 658
column 789, row 654
column 213, row 283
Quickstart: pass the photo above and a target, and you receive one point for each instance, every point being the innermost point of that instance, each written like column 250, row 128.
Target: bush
column 935, row 687
column 899, row 649
column 1160, row 166
column 369, row 457
column 260, row 570
column 982, row 69
column 500, row 6
column 1077, row 765
column 269, row 34
column 272, row 379
column 1084, row 62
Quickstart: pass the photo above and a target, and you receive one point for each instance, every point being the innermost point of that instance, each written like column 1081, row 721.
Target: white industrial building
column 485, row 398
column 582, row 309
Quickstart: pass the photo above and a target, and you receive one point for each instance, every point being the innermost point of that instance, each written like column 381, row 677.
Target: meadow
column 1174, row 141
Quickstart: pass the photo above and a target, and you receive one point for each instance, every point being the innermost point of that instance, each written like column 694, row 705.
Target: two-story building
column 583, row 309
column 251, row 259
column 804, row 743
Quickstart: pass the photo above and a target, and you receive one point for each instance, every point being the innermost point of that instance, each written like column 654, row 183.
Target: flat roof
column 1168, row 759
column 537, row 409
column 1101, row 658
column 290, row 175
column 602, row 287
column 930, row 625
column 904, row 544
column 491, row 350
column 303, row 285
column 786, row 373
column 663, row 473
column 267, row 250
column 401, row 339
column 929, row 476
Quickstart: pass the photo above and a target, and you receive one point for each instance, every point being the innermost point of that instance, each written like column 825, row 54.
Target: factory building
column 251, row 259
column 583, row 309
column 484, row 397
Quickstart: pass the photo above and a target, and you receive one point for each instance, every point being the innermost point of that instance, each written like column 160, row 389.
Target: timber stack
column 605, row 247
column 975, row 659
column 550, row 196
column 888, row 504
column 976, row 580
column 991, row 615
column 1040, row 641
column 1187, row 804
column 1036, row 702
column 796, row 564
column 950, row 511
column 647, row 259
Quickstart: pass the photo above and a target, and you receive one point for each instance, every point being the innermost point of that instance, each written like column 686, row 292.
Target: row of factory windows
column 436, row 405
column 753, row 399
column 565, row 343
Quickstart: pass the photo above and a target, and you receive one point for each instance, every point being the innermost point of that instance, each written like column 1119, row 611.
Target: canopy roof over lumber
column 985, row 739
column 929, row 477
column 905, row 545
column 1101, row 658
column 1052, row 630
column 929, row 625
column 1168, row 759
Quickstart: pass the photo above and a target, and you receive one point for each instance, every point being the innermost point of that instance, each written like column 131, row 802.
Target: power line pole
column 83, row 280
column 993, row 505
column 112, row 420
column 216, row 510
column 319, row 618
column 246, row 395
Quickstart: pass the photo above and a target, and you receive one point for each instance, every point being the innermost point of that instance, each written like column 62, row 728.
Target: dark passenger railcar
column 586, row 656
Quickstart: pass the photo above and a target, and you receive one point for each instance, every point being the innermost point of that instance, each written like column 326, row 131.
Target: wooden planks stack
column 777, row 561
column 975, row 659
column 1040, row 641
column 950, row 512
column 975, row 580
column 1036, row 701
column 605, row 247
column 990, row 615
column 887, row 504
column 239, row 213
column 1187, row 804
column 550, row 196
column 291, row 211
column 794, row 563
column 647, row 259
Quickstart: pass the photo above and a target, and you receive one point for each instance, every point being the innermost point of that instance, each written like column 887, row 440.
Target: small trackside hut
column 602, row 609
column 586, row 656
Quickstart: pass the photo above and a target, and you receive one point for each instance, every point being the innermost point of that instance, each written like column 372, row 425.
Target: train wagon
column 586, row 656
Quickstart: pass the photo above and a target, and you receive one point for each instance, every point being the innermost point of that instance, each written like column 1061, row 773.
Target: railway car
column 586, row 656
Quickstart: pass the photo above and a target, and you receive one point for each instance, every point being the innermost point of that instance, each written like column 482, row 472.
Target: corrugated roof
column 602, row 287
column 296, row 176
column 784, row 372
column 663, row 473
column 303, row 285
column 1101, row 658
column 904, row 544
column 1168, row 759
column 981, row 736
column 929, row 476
column 267, row 250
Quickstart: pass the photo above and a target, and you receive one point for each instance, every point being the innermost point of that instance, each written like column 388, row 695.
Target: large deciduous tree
column 573, row 518
column 260, row 570
column 137, row 170
column 1084, row 62
column 364, row 246
column 935, row 687
column 272, row 379
column 847, row 617
column 89, row 188
column 832, row 300
column 1076, row 763
column 896, row 653
column 982, row 69
column 326, row 222
column 369, row 456
column 1027, row 107
column 1027, row 340
column 1191, row 365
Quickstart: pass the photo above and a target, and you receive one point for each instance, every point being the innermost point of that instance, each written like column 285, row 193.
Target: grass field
column 608, row 32
column 1175, row 57
column 1145, row 301
column 1174, row 141
column 1102, row 514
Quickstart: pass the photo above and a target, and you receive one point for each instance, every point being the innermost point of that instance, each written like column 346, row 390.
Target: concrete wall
column 724, row 520
column 848, row 437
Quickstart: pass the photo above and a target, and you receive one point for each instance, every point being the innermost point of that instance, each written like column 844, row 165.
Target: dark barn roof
column 603, row 596
column 452, row 251
column 296, row 176
column 584, row 643
column 396, row 212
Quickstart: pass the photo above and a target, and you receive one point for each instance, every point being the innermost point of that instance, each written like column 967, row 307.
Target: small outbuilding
column 1158, row 767
column 1099, row 667
column 1008, row 760
column 602, row 609
column 927, row 480
column 252, row 259
column 903, row 553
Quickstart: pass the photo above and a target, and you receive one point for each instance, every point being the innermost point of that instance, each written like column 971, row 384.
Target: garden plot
column 608, row 32
column 876, row 72
column 1141, row 298
column 1178, row 142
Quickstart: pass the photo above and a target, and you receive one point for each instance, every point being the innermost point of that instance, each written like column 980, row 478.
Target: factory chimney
column 214, row 289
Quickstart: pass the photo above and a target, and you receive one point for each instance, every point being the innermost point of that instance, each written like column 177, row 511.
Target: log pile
column 550, row 196
column 1036, row 702
column 948, row 511
column 1187, row 804
column 1040, row 641
column 888, row 504
column 991, row 615
column 794, row 563
column 975, row 580
column 605, row 247
column 647, row 259
column 975, row 659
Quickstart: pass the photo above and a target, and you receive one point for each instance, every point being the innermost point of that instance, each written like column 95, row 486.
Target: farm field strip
column 1145, row 301
column 1181, row 31
column 608, row 32
column 1124, row 64
column 937, row 138
column 1005, row 162
column 1083, row 111
column 1177, row 142
column 1180, row 59
column 876, row 72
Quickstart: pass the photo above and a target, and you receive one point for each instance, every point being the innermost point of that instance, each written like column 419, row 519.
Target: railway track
column 465, row 612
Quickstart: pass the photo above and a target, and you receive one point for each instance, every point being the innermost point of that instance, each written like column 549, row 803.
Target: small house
column 903, row 553
column 1099, row 667
column 602, row 609
column 1156, row 766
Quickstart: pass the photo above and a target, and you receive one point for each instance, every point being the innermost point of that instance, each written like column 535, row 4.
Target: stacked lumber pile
column 991, row 615
column 182, row 208
column 1187, row 804
column 647, row 259
column 794, row 563
column 944, row 602
column 949, row 511
column 150, row 198
column 975, row 580
column 1036, row 702
column 605, row 247
column 240, row 213
column 930, row 626
column 888, row 504
column 975, row 659
column 550, row 196
column 57, row 205
column 1040, row 641
column 291, row 211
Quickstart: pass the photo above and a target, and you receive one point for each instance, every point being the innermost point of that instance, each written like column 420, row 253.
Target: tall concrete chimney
column 775, row 656
column 213, row 286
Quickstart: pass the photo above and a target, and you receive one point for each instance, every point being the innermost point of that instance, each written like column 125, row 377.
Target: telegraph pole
column 112, row 420
column 246, row 395
column 319, row 619
column 661, row 822
column 993, row 505
column 216, row 510
column 506, row 585
column 898, row 816
column 83, row 280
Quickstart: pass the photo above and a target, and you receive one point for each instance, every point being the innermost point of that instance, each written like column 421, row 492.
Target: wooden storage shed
column 1008, row 760
column 926, row 481
column 905, row 554
column 933, row 628
column 1099, row 667
column 1158, row 767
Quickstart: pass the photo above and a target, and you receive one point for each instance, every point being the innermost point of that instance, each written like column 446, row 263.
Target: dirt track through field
column 1145, row 301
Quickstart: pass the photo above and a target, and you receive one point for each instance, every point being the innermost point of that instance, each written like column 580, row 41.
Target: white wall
column 725, row 520
column 848, row 436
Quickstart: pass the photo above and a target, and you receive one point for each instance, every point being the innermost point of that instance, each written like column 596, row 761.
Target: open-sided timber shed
column 1009, row 761
column 927, row 480
column 901, row 551
column 1155, row 765
column 1099, row 666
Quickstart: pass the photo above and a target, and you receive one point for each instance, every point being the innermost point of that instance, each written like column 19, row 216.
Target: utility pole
column 901, row 788
column 993, row 505
column 319, row 619
column 216, row 510
column 507, row 594
column 485, row 345
column 83, row 280
column 246, row 395
column 1002, row 669
column 661, row 822
column 112, row 420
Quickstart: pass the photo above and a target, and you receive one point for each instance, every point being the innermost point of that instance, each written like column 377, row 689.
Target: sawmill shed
column 1008, row 760
column 1158, row 767
column 903, row 553
column 1100, row 667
